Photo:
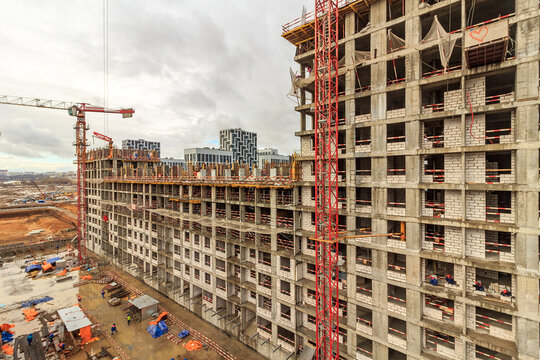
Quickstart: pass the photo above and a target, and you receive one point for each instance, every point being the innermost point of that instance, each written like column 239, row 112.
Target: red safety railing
column 284, row 338
column 358, row 348
column 401, row 269
column 497, row 133
column 221, row 212
column 494, row 320
column 249, row 217
column 495, row 99
column 307, row 18
column 397, row 332
column 265, row 262
column 495, row 175
column 363, row 142
column 396, row 204
column 364, row 321
column 437, row 174
column 441, row 71
column 283, row 221
column 488, row 355
column 285, row 268
column 220, row 268
column 397, row 299
column 264, row 197
column 363, row 261
column 395, row 81
column 434, row 107
column 265, row 219
column 394, row 172
column 264, row 328
column 447, row 312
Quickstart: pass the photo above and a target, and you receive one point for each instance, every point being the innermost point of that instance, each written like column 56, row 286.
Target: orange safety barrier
column 30, row 314
column 86, row 277
column 8, row 349
column 47, row 267
column 193, row 345
column 86, row 335
column 6, row 327
column 161, row 316
column 154, row 322
column 76, row 268
column 62, row 273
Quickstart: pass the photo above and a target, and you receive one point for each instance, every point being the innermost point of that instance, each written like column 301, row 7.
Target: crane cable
column 105, row 64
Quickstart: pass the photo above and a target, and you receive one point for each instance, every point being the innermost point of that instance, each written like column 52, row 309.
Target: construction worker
column 79, row 298
column 103, row 294
column 128, row 318
column 450, row 279
column 62, row 346
column 29, row 339
column 506, row 292
column 51, row 335
column 113, row 329
column 478, row 286
column 433, row 280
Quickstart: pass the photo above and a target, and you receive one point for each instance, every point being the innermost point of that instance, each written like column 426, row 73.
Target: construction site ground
column 17, row 191
column 138, row 343
column 16, row 224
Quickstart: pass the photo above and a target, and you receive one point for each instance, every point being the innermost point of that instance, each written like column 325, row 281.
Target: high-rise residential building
column 438, row 175
column 269, row 155
column 206, row 155
column 141, row 144
column 242, row 143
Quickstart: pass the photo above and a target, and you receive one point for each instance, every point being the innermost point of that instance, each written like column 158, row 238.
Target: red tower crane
column 79, row 110
column 326, row 179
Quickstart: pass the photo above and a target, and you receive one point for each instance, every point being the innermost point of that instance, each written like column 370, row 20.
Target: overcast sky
column 188, row 67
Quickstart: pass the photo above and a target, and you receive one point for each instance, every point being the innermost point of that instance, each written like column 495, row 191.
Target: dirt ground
column 134, row 339
column 160, row 348
column 14, row 225
column 68, row 206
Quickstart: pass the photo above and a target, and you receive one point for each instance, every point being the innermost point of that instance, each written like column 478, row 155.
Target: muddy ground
column 16, row 225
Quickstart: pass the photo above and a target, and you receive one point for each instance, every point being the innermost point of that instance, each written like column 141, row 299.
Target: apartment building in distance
column 206, row 155
column 438, row 161
column 141, row 144
column 242, row 143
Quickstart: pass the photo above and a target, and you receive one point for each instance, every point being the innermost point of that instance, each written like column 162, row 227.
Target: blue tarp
column 32, row 267
column 54, row 259
column 163, row 327
column 155, row 331
column 7, row 337
column 183, row 334
column 29, row 303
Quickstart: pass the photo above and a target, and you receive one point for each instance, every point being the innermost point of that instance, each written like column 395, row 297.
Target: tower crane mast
column 78, row 110
column 326, row 179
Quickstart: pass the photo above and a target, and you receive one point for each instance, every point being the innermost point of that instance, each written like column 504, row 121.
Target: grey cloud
column 188, row 68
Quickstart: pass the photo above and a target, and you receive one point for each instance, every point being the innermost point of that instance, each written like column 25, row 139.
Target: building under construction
column 438, row 196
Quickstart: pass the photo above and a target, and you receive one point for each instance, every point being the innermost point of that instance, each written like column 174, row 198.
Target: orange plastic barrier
column 6, row 327
column 154, row 322
column 62, row 273
column 76, row 268
column 86, row 334
column 87, row 277
column 8, row 349
column 193, row 345
column 30, row 314
column 47, row 267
